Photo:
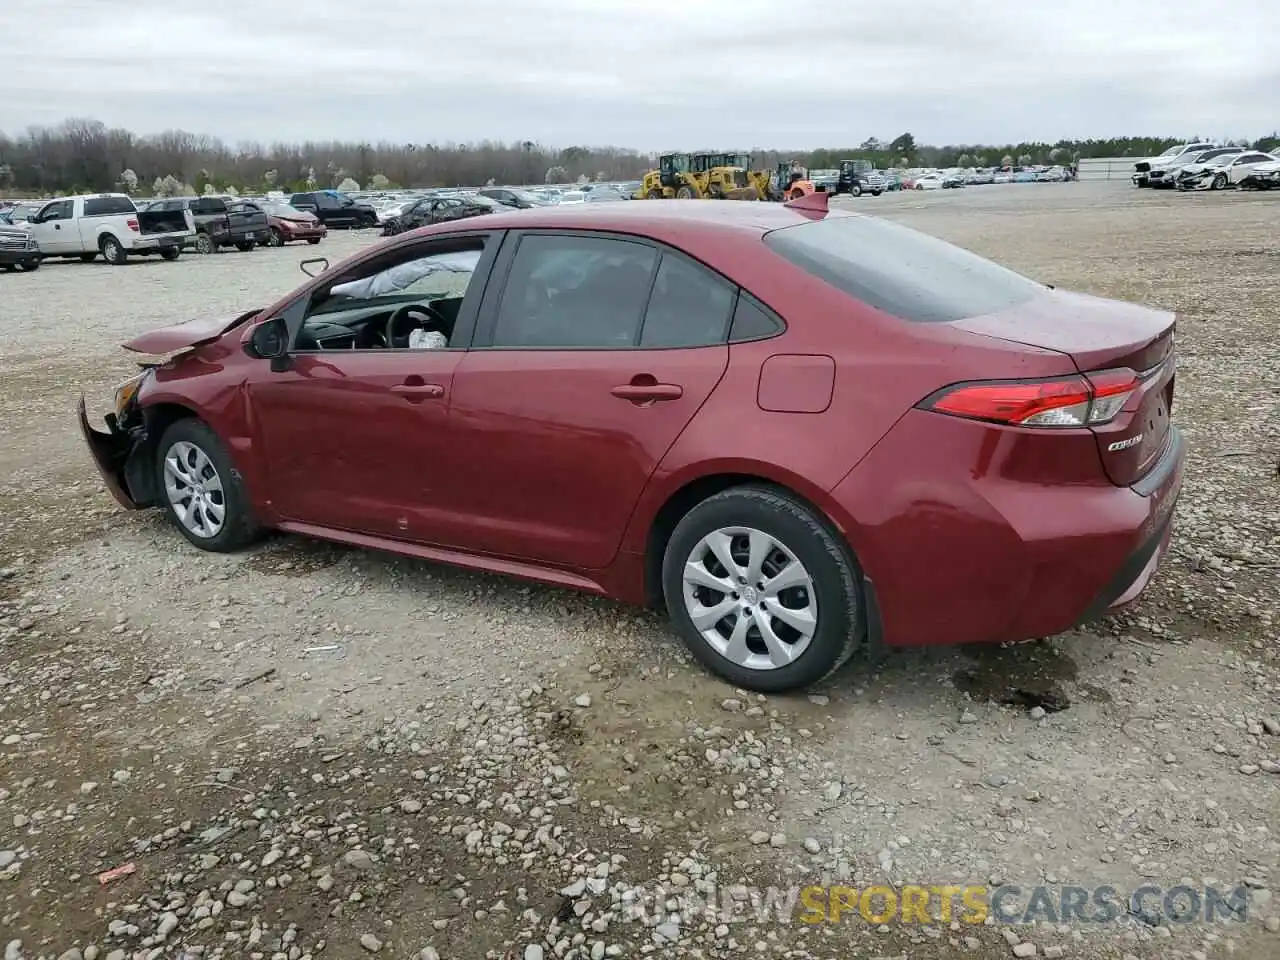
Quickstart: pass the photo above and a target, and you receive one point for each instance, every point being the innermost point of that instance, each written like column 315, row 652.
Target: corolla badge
column 1125, row 444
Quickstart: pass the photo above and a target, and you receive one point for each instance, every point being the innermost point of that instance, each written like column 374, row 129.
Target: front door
column 357, row 430
column 54, row 229
column 577, row 389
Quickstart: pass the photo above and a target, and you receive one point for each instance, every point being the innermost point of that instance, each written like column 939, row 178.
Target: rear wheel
column 88, row 257
column 203, row 495
column 855, row 190
column 113, row 250
column 313, row 240
column 244, row 246
column 655, row 194
column 684, row 193
column 761, row 590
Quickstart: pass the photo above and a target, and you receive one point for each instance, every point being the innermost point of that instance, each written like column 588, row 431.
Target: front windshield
column 1172, row 152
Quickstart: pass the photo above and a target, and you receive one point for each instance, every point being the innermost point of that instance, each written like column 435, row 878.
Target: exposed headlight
column 127, row 392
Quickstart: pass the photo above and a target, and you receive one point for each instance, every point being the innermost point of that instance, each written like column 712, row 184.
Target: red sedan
column 289, row 224
column 803, row 432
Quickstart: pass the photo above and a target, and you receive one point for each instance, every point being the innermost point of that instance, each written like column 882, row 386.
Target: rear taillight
column 1079, row 401
column 132, row 224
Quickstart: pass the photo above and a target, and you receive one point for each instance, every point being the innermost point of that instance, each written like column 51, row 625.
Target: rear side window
column 752, row 320
column 108, row 206
column 688, row 307
column 899, row 270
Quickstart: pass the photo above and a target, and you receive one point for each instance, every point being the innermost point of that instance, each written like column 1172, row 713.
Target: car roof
column 659, row 218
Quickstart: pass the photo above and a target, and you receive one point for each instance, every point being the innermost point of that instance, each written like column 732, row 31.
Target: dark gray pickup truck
column 217, row 225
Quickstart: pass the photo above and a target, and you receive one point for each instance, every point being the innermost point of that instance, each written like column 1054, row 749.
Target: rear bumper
column 971, row 535
column 110, row 451
column 144, row 243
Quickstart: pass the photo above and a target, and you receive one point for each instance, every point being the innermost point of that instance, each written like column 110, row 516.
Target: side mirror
column 269, row 340
column 324, row 265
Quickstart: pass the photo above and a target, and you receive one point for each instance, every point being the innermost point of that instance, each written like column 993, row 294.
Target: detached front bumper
column 110, row 450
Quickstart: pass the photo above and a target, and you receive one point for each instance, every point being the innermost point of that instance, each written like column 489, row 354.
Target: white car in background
column 1225, row 170
column 928, row 181
column 573, row 196
column 1151, row 171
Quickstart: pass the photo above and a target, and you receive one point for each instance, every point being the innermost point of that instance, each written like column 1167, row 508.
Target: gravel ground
column 305, row 750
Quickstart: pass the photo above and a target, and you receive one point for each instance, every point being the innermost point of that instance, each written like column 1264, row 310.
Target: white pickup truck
column 108, row 224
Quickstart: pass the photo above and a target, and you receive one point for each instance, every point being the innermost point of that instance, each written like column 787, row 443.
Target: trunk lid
column 1099, row 335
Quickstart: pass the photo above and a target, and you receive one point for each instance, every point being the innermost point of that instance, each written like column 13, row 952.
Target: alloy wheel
column 750, row 598
column 194, row 489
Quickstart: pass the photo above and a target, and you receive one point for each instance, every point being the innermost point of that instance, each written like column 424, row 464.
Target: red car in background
column 289, row 224
column 801, row 431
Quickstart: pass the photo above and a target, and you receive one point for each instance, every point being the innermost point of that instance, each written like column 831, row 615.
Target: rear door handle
column 648, row 392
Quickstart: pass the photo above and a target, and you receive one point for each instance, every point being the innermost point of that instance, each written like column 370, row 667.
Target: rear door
column 593, row 354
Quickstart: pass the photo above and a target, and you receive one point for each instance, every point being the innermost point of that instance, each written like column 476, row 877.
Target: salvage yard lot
column 306, row 749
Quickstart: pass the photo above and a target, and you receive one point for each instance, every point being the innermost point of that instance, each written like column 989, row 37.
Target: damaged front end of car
column 120, row 451
column 1202, row 179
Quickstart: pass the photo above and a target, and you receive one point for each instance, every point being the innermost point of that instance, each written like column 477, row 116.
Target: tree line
column 84, row 155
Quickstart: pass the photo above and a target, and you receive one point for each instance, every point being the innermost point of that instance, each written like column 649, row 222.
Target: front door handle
column 648, row 392
column 417, row 392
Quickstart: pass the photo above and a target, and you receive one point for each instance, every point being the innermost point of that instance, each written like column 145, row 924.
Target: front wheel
column 313, row 240
column 275, row 238
column 761, row 590
column 170, row 253
column 1220, row 182
column 685, row 193
column 203, row 494
column 876, row 193
column 205, row 244
column 244, row 246
column 30, row 265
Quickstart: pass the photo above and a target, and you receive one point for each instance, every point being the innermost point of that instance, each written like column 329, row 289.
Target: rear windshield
column 899, row 270
column 108, row 206
column 208, row 205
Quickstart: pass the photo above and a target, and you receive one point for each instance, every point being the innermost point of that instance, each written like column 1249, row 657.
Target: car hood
column 183, row 336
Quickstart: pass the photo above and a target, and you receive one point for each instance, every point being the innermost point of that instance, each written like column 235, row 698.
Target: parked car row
column 956, row 177
column 115, row 227
column 1203, row 165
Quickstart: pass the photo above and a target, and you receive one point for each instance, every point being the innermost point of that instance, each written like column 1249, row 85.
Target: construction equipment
column 790, row 181
column 703, row 176
column 672, row 176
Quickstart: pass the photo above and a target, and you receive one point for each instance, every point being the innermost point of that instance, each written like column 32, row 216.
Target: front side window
column 901, row 271
column 575, row 292
column 408, row 300
column 58, row 210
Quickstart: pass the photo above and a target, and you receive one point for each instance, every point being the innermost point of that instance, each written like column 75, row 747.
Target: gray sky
column 618, row 72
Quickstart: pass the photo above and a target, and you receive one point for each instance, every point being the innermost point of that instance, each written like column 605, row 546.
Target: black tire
column 313, row 240
column 855, row 190
column 30, row 266
column 275, row 238
column 1220, row 182
column 113, row 250
column 876, row 193
column 204, row 244
column 88, row 257
column 685, row 192
column 655, row 194
column 171, row 253
column 813, row 543
column 245, row 246
column 239, row 528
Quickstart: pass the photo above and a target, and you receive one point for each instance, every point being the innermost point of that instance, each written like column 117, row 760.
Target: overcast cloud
column 719, row 74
